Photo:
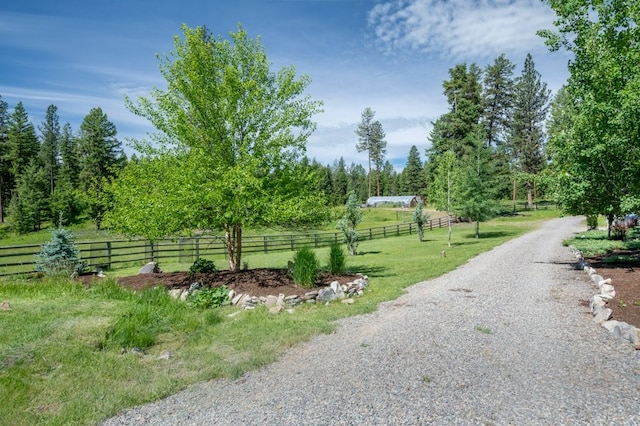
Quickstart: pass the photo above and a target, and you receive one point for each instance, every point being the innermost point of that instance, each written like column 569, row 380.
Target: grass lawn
column 61, row 361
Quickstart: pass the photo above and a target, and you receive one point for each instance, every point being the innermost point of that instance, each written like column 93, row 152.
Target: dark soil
column 625, row 278
column 255, row 282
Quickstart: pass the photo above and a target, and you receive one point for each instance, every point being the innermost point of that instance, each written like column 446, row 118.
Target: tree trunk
column 477, row 229
column 529, row 195
column 233, row 242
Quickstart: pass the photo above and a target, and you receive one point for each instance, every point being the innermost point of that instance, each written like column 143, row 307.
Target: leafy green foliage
column 202, row 266
column 305, row 267
column 595, row 131
column 209, row 297
column 60, row 255
column 227, row 152
column 352, row 217
column 337, row 259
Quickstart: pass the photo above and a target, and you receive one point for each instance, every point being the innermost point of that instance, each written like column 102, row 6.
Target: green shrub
column 202, row 266
column 337, row 259
column 305, row 267
column 209, row 297
column 60, row 255
column 592, row 221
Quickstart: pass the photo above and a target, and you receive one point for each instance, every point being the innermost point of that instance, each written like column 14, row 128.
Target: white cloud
column 461, row 28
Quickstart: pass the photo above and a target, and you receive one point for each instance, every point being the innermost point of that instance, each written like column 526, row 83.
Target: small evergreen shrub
column 60, row 255
column 305, row 267
column 210, row 297
column 202, row 266
column 337, row 259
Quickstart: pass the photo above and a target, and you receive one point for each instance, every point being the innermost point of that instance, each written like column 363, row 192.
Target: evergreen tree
column 340, row 182
column 526, row 138
column 5, row 175
column 412, row 176
column 389, row 180
column 22, row 142
column 371, row 139
column 29, row 200
column 453, row 129
column 50, row 146
column 444, row 190
column 358, row 181
column 69, row 155
column 498, row 87
column 100, row 157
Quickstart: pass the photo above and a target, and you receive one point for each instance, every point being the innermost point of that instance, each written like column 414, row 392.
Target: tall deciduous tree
column 444, row 190
column 526, row 136
column 100, row 156
column 231, row 136
column 598, row 157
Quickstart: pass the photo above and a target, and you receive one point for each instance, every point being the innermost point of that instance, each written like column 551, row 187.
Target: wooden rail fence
column 20, row 259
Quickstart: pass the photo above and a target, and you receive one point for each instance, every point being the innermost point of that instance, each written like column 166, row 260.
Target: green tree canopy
column 231, row 135
column 597, row 158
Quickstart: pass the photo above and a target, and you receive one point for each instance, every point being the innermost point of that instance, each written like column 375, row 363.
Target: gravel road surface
column 502, row 340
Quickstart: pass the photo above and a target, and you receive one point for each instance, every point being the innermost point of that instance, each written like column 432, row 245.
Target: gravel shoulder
column 501, row 340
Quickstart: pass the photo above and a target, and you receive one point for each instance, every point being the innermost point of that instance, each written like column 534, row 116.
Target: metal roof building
column 402, row 200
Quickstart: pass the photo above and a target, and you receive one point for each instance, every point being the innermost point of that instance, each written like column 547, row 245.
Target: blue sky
column 390, row 55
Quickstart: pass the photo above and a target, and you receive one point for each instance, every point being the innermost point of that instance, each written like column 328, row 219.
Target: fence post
column 197, row 248
column 264, row 244
column 151, row 249
column 292, row 243
column 108, row 255
column 384, row 232
column 315, row 240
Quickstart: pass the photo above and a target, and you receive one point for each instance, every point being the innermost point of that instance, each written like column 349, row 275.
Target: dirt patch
column 255, row 282
column 625, row 278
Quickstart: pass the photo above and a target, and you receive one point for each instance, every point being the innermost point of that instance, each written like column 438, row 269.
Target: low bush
column 202, row 266
column 305, row 267
column 209, row 297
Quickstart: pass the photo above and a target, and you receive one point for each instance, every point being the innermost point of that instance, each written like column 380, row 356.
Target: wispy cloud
column 460, row 28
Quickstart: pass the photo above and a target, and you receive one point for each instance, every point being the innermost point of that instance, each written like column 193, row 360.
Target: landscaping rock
column 150, row 268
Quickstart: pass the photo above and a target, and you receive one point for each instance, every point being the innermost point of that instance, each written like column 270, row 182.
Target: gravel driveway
column 501, row 340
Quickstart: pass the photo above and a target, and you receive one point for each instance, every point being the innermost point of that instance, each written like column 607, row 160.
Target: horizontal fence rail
column 15, row 260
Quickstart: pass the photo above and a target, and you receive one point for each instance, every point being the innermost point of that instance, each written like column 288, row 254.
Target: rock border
column 275, row 304
column 598, row 304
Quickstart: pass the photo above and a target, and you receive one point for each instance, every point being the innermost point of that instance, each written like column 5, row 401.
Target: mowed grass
column 61, row 364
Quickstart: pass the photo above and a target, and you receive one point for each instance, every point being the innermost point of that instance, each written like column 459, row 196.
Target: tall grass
column 61, row 359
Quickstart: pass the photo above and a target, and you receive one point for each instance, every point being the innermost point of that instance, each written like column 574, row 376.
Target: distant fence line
column 16, row 260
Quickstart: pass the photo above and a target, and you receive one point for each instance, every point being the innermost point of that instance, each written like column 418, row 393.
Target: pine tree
column 29, row 200
column 22, row 141
column 5, row 175
column 100, row 156
column 412, row 176
column 526, row 138
column 358, row 181
column 371, row 139
column 498, row 87
column 340, row 182
column 50, row 146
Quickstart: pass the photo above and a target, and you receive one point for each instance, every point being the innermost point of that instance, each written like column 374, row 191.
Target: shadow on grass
column 491, row 234
column 371, row 271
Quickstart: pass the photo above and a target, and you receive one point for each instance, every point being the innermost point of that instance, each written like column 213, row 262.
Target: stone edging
column 598, row 304
column 275, row 304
